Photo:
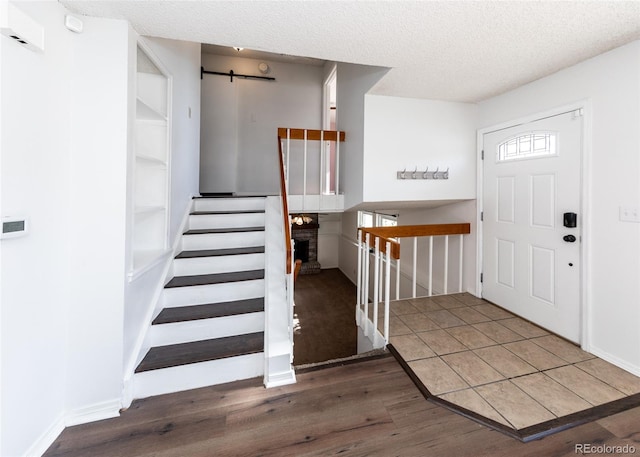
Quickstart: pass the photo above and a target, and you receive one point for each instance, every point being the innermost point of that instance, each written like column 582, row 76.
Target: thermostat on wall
column 13, row 227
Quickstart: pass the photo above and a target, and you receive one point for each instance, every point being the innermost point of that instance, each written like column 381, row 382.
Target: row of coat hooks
column 426, row 174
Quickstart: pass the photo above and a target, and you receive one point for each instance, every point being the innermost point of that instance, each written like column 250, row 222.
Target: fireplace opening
column 301, row 250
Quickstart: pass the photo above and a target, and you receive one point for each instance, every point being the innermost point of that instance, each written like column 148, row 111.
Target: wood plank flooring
column 364, row 409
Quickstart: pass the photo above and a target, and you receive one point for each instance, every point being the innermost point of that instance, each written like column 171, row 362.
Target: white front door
column 531, row 254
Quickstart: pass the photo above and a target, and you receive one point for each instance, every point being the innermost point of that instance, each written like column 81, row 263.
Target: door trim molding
column 585, row 203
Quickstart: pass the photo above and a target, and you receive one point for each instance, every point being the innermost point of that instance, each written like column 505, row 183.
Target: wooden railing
column 286, row 135
column 386, row 247
column 285, row 209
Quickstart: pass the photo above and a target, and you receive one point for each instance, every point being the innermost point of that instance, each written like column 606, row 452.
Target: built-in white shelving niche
column 151, row 164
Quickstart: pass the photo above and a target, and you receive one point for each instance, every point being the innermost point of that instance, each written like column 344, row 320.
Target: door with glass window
column 531, row 221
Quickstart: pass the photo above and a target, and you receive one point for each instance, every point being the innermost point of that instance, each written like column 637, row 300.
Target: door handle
column 569, row 238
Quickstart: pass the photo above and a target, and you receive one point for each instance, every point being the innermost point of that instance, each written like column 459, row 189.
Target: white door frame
column 585, row 204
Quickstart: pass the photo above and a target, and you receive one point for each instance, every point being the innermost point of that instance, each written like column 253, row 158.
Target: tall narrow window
column 529, row 145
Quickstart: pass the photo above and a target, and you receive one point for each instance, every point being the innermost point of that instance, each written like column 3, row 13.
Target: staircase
column 210, row 329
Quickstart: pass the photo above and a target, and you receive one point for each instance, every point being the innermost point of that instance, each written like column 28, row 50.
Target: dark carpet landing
column 324, row 316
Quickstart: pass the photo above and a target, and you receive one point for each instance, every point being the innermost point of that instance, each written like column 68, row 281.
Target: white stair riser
column 212, row 221
column 206, row 329
column 213, row 293
column 195, row 375
column 218, row 264
column 222, row 240
column 228, row 204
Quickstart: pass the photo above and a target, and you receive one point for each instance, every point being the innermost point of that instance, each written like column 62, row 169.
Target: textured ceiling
column 449, row 50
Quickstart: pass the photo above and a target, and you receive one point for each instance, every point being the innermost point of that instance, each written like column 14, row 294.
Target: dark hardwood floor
column 325, row 313
column 368, row 408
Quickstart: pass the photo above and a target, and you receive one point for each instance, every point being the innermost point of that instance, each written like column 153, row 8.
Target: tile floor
column 483, row 358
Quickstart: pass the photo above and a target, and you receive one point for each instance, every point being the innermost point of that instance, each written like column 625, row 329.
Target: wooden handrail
column 387, row 234
column 312, row 135
column 285, row 208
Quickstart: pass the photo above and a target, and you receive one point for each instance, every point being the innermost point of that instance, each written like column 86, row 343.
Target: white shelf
column 146, row 113
column 151, row 160
column 149, row 209
column 151, row 171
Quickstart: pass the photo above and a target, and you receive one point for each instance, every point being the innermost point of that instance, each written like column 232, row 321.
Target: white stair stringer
column 195, row 375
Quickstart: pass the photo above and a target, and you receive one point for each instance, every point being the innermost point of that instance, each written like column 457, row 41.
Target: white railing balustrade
column 312, row 168
column 379, row 247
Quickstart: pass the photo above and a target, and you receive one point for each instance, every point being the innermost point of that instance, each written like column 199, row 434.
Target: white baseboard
column 633, row 369
column 47, row 438
column 92, row 413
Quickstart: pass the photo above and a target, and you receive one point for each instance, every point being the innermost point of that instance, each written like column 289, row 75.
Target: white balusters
column 376, row 280
column 414, row 281
column 430, row 293
column 387, row 286
column 460, row 265
column 446, row 264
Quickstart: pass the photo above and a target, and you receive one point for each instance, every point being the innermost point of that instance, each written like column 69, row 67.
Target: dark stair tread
column 220, row 252
column 224, row 230
column 227, row 195
column 239, row 211
column 201, row 351
column 209, row 310
column 218, row 278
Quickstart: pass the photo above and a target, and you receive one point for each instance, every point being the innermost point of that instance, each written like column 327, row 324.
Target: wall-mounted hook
column 413, row 175
column 403, row 174
column 446, row 174
column 435, row 173
column 424, row 175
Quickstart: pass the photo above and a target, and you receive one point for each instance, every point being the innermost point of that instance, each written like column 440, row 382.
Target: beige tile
column 563, row 349
column 524, row 328
column 553, row 396
column 591, row 389
column 469, row 399
column 402, row 307
column 445, row 319
column 513, row 404
column 448, row 301
column 425, row 304
column 437, row 376
column 469, row 315
column 468, row 299
column 397, row 327
column 418, row 322
column 441, row 342
column 492, row 311
column 411, row 347
column 535, row 355
column 470, row 337
column 498, row 332
column 505, row 362
column 612, row 375
column 472, row 368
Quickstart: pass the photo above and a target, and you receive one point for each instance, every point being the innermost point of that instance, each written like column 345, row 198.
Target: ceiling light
column 237, row 48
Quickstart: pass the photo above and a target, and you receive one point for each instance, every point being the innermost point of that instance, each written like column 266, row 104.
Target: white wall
column 329, row 234
column 252, row 111
column 96, row 255
column 611, row 83
column 353, row 82
column 405, row 133
column 34, row 179
column 182, row 60
column 63, row 165
column 453, row 213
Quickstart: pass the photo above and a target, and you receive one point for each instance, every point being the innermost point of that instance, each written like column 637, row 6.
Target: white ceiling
column 450, row 50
